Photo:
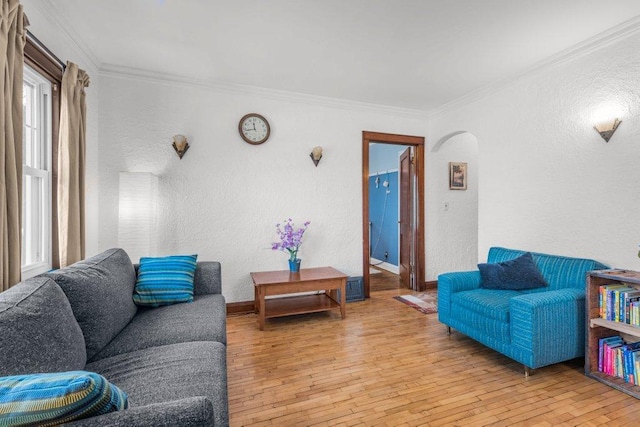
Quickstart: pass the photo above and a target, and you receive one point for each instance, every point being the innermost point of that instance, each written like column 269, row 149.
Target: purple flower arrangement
column 290, row 238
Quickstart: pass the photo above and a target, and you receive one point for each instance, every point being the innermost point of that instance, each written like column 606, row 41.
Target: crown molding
column 626, row 29
column 116, row 71
column 48, row 9
column 592, row 44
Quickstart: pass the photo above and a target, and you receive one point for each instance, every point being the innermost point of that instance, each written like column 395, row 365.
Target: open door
column 406, row 208
column 414, row 236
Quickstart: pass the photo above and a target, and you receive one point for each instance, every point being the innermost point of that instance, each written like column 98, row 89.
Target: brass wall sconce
column 606, row 130
column 180, row 144
column 316, row 155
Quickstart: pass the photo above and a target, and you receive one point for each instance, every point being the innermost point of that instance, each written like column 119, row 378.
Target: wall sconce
column 316, row 155
column 180, row 144
column 606, row 130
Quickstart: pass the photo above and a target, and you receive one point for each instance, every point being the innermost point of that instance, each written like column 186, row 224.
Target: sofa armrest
column 460, row 281
column 189, row 412
column 549, row 325
column 450, row 283
column 208, row 278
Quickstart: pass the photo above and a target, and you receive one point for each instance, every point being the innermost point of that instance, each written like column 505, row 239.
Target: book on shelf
column 626, row 300
column 635, row 313
column 636, row 366
column 618, row 358
column 616, row 303
column 603, row 344
column 628, row 352
column 607, row 299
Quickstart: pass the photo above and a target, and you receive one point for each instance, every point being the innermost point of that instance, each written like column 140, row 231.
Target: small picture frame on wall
column 457, row 176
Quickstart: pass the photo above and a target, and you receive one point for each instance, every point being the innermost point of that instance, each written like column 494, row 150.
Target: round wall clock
column 254, row 128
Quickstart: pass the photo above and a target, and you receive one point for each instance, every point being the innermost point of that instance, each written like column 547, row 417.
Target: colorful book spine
column 619, row 359
column 626, row 299
column 603, row 348
column 607, row 298
column 627, row 351
column 616, row 303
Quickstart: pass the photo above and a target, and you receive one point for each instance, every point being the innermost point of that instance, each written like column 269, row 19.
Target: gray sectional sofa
column 171, row 360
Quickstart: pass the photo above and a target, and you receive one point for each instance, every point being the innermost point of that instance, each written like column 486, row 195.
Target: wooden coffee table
column 327, row 279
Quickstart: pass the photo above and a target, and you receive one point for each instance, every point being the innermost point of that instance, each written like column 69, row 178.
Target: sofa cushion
column 171, row 372
column 491, row 303
column 55, row 398
column 559, row 271
column 165, row 280
column 188, row 412
column 202, row 320
column 477, row 325
column 517, row 274
column 100, row 291
column 39, row 332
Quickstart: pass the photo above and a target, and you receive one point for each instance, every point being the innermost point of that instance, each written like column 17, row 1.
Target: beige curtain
column 71, row 165
column 12, row 39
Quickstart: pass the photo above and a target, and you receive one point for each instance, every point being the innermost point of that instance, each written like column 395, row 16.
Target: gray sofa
column 171, row 360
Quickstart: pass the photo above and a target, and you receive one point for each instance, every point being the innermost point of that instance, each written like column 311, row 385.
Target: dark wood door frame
column 406, row 243
column 417, row 142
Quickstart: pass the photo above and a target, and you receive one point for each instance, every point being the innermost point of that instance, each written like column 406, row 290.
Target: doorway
column 411, row 216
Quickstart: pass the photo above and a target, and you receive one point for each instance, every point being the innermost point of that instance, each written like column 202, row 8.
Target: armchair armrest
column 549, row 325
column 450, row 283
column 460, row 281
column 208, row 278
column 189, row 412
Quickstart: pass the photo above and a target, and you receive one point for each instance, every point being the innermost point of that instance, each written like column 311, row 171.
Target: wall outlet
column 386, row 254
column 445, row 206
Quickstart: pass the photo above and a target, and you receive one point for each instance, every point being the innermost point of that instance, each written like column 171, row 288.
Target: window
column 36, row 174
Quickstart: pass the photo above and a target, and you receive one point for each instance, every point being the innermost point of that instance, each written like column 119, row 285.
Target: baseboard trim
column 395, row 269
column 244, row 307
column 241, row 307
column 431, row 284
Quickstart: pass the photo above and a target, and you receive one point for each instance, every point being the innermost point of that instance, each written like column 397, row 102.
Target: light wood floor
column 387, row 364
column 384, row 281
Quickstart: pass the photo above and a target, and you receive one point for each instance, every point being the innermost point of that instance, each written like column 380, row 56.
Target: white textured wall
column 548, row 182
column 452, row 231
column 545, row 180
column 59, row 42
column 223, row 199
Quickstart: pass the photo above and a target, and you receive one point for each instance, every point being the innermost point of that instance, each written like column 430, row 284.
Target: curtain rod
column 45, row 50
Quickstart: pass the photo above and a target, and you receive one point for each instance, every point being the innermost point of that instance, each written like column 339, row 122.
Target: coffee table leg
column 261, row 313
column 256, row 300
column 343, row 298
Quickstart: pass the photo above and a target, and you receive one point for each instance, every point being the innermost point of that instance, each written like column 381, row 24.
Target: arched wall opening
column 452, row 213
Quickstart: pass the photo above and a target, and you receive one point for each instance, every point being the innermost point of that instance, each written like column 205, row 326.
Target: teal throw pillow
column 165, row 280
column 516, row 274
column 56, row 398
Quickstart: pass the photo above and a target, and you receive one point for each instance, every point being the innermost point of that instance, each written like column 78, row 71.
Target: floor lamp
column 137, row 214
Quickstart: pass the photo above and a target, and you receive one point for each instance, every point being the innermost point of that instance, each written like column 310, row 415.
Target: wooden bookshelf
column 598, row 327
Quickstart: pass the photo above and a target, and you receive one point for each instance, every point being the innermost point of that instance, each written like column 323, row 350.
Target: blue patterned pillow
column 516, row 274
column 165, row 280
column 52, row 399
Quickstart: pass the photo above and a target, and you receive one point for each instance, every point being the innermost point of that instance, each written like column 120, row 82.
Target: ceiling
column 415, row 54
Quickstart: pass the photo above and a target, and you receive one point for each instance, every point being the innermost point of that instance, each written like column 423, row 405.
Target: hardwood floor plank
column 387, row 364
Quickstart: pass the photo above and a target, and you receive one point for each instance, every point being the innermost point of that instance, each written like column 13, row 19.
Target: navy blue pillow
column 516, row 274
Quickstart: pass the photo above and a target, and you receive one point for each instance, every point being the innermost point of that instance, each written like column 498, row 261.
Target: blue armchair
column 536, row 327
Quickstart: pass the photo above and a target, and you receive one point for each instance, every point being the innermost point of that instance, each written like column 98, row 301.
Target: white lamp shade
column 137, row 222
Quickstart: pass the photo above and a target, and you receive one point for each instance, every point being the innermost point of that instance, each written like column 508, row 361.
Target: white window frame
column 40, row 222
